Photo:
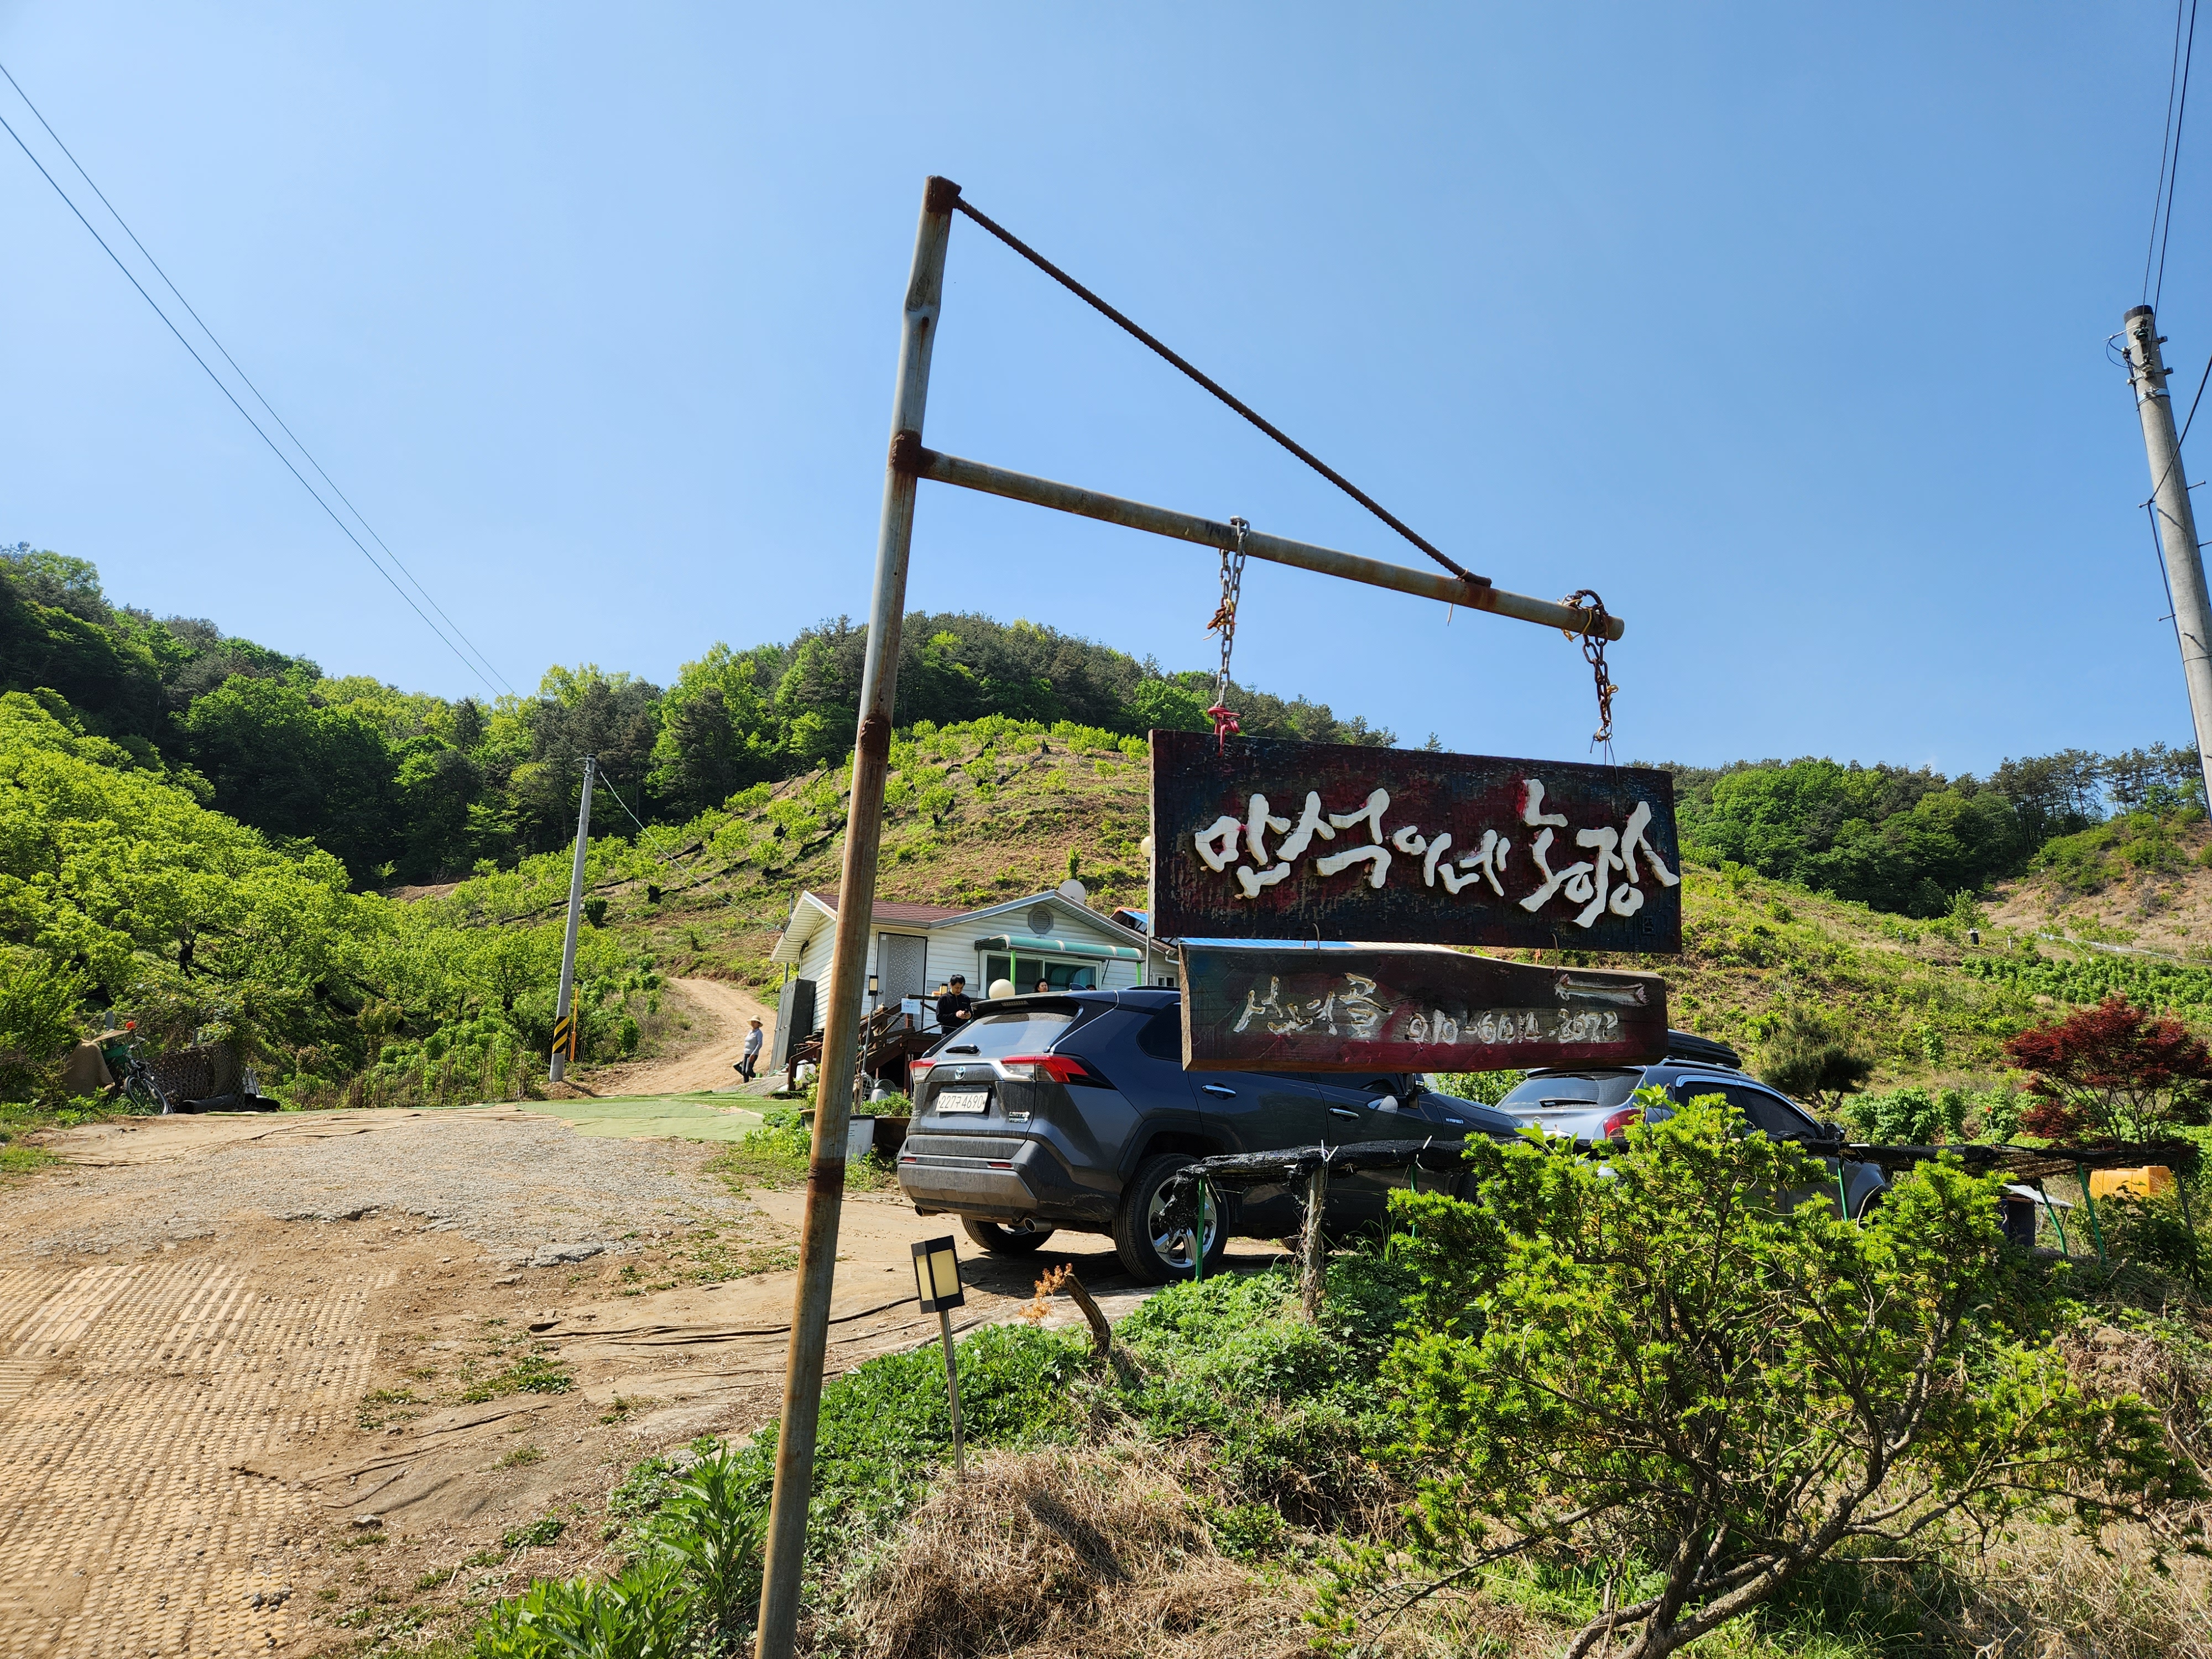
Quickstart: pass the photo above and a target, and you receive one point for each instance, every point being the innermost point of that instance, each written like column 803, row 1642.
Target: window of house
column 1058, row 976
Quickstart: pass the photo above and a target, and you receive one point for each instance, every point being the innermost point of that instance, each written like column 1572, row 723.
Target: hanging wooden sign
column 1248, row 1007
column 1297, row 840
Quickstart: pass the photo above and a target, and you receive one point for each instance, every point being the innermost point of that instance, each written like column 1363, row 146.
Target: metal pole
column 941, row 468
column 2089, row 1203
column 565, row 1005
column 2177, row 524
column 856, row 893
column 952, row 1392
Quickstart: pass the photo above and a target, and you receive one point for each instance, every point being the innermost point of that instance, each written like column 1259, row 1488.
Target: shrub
column 1909, row 1117
column 2113, row 1071
column 1812, row 1056
column 38, row 1018
column 1653, row 1364
column 644, row 1614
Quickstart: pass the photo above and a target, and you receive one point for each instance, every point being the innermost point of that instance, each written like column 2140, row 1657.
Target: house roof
column 811, row 911
column 893, row 910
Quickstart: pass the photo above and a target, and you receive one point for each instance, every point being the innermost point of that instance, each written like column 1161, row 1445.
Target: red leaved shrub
column 2113, row 1072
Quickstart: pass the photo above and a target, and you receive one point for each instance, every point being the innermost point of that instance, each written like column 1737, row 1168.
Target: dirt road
column 719, row 1011
column 274, row 1384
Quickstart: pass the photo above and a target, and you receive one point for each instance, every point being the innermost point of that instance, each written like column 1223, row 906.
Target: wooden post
column 1313, row 1250
column 1101, row 1333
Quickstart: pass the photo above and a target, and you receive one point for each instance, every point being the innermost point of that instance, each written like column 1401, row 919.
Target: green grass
column 777, row 1155
column 529, row 1373
column 17, row 1159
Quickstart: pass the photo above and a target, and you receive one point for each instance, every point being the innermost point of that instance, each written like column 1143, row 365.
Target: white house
column 916, row 948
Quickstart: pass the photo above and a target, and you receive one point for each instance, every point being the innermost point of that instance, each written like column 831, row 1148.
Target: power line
column 247, row 378
column 2165, row 149
column 2169, row 163
column 240, row 407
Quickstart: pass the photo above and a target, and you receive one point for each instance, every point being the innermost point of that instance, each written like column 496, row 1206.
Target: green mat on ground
column 642, row 1117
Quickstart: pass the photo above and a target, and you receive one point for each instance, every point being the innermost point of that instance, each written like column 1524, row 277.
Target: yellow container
column 2152, row 1181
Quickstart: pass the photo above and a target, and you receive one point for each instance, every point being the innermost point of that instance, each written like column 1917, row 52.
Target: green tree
column 581, row 712
column 112, row 682
column 1652, row 1363
column 39, row 1002
column 1812, row 1057
column 1164, row 705
column 289, row 765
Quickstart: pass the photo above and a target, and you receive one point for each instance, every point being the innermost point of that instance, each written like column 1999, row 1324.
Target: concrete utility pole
column 2177, row 524
column 848, row 968
column 564, row 1010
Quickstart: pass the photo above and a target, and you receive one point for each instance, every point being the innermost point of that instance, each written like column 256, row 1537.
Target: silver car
column 1596, row 1103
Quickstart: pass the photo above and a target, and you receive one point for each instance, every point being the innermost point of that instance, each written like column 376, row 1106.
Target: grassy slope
column 993, row 810
column 2130, row 882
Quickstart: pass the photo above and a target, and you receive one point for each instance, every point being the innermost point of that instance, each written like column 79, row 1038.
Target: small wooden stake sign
column 1275, row 1007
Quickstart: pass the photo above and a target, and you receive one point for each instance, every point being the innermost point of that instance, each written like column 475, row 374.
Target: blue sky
column 1783, row 329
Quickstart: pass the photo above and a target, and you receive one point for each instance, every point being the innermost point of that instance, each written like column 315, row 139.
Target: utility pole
column 564, row 1011
column 2177, row 524
column 785, row 1554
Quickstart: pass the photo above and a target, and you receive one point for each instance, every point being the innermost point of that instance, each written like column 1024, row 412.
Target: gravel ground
column 528, row 1191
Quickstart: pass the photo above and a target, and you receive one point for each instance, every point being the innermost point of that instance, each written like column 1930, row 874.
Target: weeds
column 777, row 1154
column 534, row 1535
column 536, row 1372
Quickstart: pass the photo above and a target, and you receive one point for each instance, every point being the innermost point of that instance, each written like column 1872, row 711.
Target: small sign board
column 1248, row 1007
column 1290, row 841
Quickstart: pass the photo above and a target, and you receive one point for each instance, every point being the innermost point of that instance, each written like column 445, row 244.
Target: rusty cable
column 961, row 204
column 1593, row 644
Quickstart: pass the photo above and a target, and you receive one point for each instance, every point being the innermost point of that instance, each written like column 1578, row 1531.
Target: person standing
column 953, row 1008
column 750, row 1062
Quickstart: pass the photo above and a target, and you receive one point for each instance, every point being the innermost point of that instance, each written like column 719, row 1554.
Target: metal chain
column 1593, row 643
column 1224, row 619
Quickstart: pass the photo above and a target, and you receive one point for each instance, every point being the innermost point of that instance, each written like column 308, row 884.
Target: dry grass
column 1100, row 1553
column 1089, row 1554
column 2048, row 1593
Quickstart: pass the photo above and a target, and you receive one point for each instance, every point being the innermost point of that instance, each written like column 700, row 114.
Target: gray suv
column 1071, row 1111
column 1595, row 1104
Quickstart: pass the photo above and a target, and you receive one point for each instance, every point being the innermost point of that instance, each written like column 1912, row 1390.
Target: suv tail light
column 1617, row 1125
column 916, row 1070
column 1050, row 1068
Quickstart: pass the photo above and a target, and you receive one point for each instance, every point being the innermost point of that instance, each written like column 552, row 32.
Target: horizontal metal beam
column 941, row 468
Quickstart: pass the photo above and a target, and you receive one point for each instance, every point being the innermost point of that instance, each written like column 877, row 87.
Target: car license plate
column 962, row 1100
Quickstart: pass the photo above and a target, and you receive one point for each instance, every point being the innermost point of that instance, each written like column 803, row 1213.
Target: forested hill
column 405, row 787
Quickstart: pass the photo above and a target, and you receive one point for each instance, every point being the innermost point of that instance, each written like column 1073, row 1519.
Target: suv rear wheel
column 1151, row 1247
column 1001, row 1240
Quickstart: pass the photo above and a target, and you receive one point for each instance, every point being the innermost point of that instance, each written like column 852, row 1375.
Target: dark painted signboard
column 1251, row 1007
column 1294, row 840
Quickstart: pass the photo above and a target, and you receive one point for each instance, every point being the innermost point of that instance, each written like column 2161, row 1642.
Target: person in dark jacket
column 953, row 1008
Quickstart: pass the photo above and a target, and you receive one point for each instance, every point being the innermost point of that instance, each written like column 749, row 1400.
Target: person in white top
column 750, row 1061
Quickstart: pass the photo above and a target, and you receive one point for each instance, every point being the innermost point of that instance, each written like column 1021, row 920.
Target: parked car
column 1595, row 1104
column 1070, row 1111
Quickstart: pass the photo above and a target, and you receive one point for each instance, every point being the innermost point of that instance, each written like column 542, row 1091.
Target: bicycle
column 134, row 1081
